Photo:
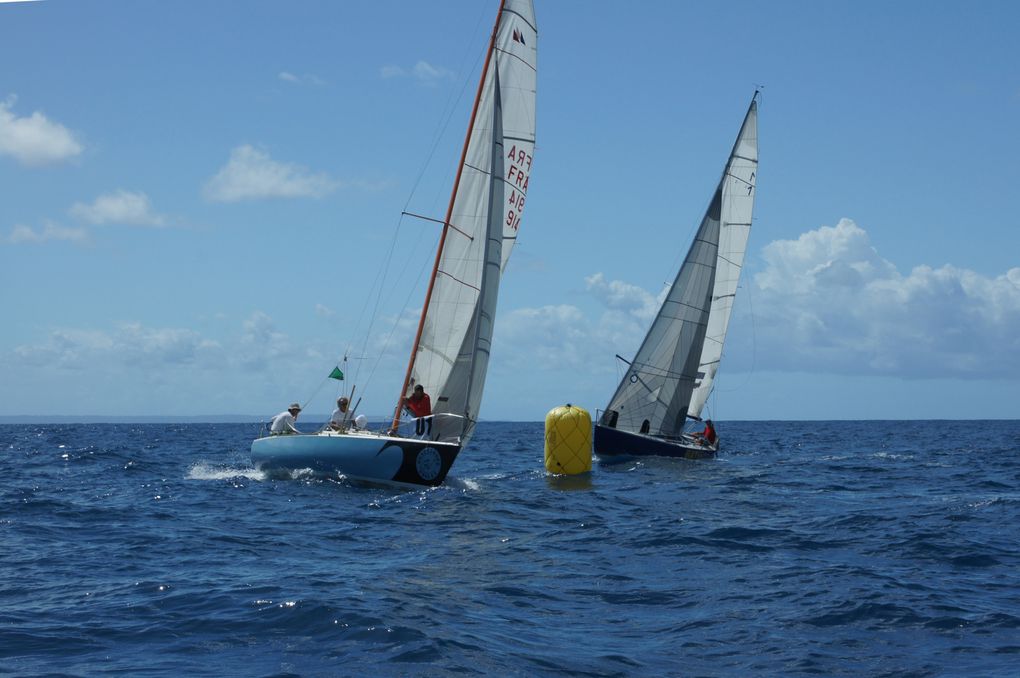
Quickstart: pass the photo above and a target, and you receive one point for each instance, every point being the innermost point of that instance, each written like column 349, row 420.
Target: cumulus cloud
column 828, row 301
column 622, row 296
column 251, row 174
column 306, row 79
column 261, row 343
column 21, row 234
column 119, row 207
column 424, row 72
column 131, row 344
column 34, row 140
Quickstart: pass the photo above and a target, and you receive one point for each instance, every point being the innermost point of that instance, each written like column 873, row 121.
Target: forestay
column 451, row 357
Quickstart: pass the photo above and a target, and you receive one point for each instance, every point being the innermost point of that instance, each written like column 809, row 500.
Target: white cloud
column 424, row 72
column 324, row 311
column 255, row 347
column 261, row 344
column 131, row 344
column 21, row 234
column 306, row 79
column 119, row 207
column 34, row 140
column 828, row 302
column 622, row 296
column 251, row 174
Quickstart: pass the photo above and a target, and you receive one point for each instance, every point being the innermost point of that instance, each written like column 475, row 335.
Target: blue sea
column 806, row 548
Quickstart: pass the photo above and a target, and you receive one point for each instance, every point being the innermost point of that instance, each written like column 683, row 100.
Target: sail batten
column 737, row 184
column 450, row 356
column 673, row 370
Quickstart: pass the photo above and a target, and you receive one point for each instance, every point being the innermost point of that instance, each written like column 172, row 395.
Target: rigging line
column 378, row 284
column 396, row 321
column 654, row 371
column 440, row 221
column 452, row 106
column 449, row 209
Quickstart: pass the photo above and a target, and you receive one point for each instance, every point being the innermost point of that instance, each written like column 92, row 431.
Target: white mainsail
column 654, row 393
column 671, row 375
column 737, row 188
column 451, row 355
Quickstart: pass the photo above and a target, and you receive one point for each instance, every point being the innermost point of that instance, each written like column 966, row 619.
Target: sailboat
column 670, row 378
column 450, row 353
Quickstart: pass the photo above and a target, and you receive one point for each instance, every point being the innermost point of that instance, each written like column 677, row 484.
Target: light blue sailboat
column 450, row 354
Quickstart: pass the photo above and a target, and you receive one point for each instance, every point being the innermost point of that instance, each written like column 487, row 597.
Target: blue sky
column 198, row 200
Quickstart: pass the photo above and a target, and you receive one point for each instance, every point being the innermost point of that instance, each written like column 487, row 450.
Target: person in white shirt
column 342, row 412
column 284, row 421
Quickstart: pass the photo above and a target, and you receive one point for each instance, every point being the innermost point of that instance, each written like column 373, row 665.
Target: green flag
column 336, row 374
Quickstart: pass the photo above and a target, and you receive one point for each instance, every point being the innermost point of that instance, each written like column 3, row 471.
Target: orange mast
column 449, row 214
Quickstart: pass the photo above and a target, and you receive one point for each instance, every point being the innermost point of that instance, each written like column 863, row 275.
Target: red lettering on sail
column 517, row 175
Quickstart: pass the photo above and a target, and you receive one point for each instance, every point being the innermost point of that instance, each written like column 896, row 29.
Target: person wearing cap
column 284, row 422
column 341, row 418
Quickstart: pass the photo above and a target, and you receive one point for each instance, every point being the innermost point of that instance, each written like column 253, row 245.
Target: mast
column 449, row 215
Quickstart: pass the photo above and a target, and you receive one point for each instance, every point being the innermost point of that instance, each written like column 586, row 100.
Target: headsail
column 737, row 189
column 450, row 356
column 672, row 373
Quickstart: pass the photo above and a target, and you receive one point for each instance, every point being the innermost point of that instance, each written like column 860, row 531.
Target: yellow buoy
column 568, row 440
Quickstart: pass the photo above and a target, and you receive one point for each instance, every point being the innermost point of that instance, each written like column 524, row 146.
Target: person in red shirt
column 420, row 405
column 708, row 435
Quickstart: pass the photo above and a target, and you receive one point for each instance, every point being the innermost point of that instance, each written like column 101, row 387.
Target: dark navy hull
column 611, row 442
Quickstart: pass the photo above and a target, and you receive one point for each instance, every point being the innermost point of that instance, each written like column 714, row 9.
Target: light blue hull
column 364, row 456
